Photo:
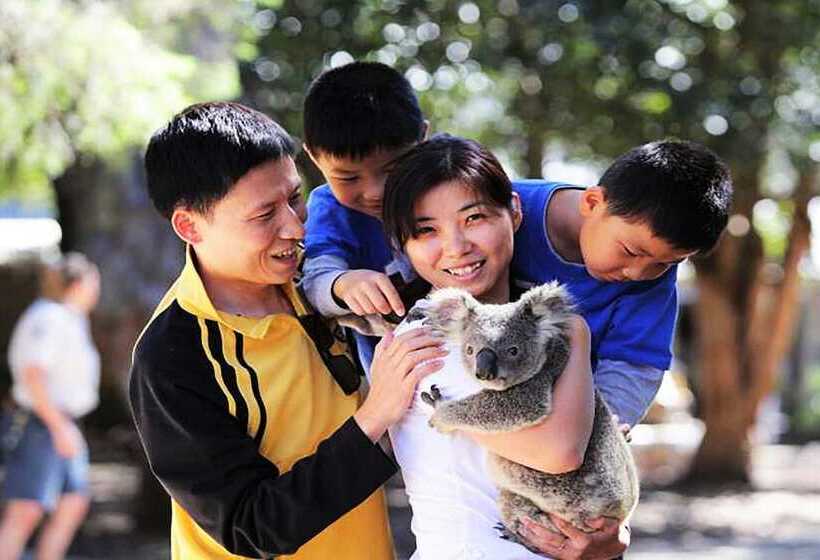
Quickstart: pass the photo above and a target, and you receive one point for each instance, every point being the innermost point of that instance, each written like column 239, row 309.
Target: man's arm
column 212, row 468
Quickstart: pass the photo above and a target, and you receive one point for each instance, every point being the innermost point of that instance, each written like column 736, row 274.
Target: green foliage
column 739, row 76
column 79, row 78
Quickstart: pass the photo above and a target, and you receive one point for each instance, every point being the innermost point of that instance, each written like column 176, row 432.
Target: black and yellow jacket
column 252, row 436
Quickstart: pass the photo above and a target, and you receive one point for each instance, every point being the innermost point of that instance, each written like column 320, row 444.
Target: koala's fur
column 529, row 340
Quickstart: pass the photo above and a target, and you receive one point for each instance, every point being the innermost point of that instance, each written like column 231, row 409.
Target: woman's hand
column 399, row 363
column 608, row 539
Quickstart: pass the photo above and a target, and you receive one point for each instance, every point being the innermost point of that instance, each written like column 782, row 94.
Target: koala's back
column 606, row 484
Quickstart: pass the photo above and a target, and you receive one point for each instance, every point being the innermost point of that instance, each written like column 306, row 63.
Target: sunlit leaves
column 80, row 78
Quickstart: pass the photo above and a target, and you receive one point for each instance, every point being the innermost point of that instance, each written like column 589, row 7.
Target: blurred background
column 557, row 89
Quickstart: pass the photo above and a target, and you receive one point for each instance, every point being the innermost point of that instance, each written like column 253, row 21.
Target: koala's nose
column 486, row 365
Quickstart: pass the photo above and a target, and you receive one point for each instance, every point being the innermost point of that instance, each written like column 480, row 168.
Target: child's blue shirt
column 631, row 323
column 339, row 239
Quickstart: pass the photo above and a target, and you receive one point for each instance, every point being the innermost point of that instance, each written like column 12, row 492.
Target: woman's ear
column 592, row 199
column 517, row 212
column 185, row 226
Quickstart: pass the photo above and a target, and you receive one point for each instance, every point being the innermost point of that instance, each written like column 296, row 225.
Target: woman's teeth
column 464, row 270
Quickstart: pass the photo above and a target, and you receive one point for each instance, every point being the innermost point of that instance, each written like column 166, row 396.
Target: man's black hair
column 682, row 190
column 442, row 159
column 195, row 159
column 356, row 109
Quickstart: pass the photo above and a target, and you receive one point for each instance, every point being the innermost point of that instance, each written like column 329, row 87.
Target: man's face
column 359, row 183
column 616, row 249
column 250, row 235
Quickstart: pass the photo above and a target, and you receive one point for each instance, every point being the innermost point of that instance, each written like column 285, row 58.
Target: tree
column 598, row 78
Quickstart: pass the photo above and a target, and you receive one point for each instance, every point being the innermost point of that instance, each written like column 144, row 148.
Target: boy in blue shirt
column 616, row 247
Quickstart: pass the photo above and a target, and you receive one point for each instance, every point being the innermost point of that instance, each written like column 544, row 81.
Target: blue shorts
column 35, row 471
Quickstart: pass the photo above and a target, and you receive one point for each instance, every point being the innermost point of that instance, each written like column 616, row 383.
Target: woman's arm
column 63, row 432
column 558, row 443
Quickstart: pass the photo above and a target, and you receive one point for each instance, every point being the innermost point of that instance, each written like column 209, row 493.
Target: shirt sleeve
column 331, row 248
column 627, row 388
column 37, row 338
column 209, row 464
column 642, row 324
column 319, row 274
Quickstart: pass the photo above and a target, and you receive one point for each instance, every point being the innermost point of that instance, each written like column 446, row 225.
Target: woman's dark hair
column 442, row 159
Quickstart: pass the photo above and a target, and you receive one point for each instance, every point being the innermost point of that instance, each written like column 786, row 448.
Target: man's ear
column 517, row 212
column 185, row 225
column 592, row 199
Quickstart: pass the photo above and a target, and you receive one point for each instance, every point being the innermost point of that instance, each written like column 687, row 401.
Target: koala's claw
column 433, row 397
column 504, row 533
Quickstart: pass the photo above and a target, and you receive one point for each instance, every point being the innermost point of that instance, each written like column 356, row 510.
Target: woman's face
column 463, row 241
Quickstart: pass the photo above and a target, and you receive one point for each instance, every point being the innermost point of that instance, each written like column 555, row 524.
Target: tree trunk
column 107, row 215
column 745, row 320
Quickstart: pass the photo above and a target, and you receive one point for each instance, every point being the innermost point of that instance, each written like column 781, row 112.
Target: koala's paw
column 505, row 533
column 433, row 398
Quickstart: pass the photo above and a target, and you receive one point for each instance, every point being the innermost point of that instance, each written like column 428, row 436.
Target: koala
column 516, row 351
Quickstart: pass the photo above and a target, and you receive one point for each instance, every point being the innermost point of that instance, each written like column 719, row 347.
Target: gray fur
column 537, row 325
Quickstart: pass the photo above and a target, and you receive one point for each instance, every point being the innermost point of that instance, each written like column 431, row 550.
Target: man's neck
column 563, row 224
column 247, row 299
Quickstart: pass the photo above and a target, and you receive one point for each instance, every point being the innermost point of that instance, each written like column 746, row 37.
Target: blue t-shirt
column 629, row 321
column 340, row 236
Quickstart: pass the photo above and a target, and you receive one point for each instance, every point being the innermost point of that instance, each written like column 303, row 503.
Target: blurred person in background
column 55, row 370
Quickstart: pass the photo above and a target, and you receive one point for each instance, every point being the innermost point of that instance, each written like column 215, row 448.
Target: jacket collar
column 194, row 299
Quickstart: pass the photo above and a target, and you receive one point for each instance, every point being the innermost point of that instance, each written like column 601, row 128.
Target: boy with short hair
column 616, row 246
column 244, row 400
column 357, row 119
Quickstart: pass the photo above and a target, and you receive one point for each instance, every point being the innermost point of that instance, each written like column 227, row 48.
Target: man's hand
column 366, row 292
column 399, row 363
column 609, row 539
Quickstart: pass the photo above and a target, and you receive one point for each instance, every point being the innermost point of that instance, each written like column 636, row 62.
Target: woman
column 450, row 207
column 55, row 371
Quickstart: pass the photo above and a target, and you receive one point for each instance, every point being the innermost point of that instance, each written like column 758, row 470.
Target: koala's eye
column 512, row 351
column 469, row 350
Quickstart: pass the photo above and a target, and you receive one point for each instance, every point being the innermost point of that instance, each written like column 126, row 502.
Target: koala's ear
column 548, row 300
column 449, row 307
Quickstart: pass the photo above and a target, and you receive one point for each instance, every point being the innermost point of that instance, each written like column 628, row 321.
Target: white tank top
column 450, row 491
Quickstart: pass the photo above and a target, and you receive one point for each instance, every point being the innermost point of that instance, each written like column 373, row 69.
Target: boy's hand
column 609, row 539
column 366, row 292
column 399, row 363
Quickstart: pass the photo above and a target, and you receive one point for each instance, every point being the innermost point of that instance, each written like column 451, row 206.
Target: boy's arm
column 628, row 389
column 635, row 350
column 209, row 464
column 558, row 443
column 319, row 275
column 331, row 249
